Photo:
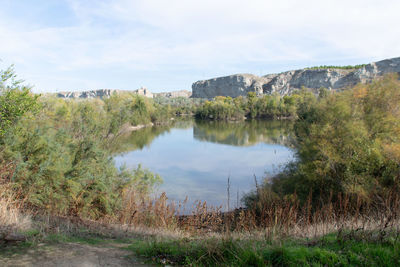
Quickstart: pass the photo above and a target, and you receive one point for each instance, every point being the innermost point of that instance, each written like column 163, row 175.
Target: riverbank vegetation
column 251, row 107
column 182, row 106
column 55, row 154
column 347, row 143
column 338, row 203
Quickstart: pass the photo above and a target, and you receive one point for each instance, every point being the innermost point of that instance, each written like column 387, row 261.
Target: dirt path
column 73, row 254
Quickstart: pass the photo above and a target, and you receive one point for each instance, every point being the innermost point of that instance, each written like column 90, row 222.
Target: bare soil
column 73, row 254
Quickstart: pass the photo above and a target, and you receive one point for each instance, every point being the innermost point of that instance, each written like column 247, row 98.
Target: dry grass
column 276, row 220
column 287, row 218
column 11, row 218
column 270, row 218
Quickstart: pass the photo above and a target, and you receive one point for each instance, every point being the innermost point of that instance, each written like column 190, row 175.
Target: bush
column 348, row 142
column 58, row 158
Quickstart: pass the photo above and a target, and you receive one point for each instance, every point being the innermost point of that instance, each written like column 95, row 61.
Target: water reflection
column 246, row 133
column 195, row 158
column 144, row 137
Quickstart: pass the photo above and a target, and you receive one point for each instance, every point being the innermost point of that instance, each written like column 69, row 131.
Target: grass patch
column 330, row 250
column 209, row 252
column 16, row 248
column 8, row 249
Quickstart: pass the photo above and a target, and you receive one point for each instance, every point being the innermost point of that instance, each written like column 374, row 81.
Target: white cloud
column 200, row 36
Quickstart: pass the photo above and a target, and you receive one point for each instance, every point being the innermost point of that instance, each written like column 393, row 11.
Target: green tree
column 15, row 99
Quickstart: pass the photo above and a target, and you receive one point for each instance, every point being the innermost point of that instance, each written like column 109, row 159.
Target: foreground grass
column 352, row 248
column 330, row 250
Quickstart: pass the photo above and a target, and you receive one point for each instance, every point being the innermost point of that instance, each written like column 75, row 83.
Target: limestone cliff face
column 88, row 94
column 104, row 93
column 286, row 82
column 234, row 85
column 173, row 94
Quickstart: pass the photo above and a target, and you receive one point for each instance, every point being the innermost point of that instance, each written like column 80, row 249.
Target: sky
column 165, row 45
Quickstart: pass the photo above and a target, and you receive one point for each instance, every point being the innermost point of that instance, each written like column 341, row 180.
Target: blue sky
column 164, row 45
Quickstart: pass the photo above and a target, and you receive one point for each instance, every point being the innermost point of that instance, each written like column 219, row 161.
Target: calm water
column 195, row 159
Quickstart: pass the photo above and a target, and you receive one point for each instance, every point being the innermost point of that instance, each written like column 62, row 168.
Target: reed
column 11, row 217
column 269, row 217
column 277, row 217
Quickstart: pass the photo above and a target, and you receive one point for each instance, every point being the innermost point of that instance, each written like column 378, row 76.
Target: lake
column 195, row 158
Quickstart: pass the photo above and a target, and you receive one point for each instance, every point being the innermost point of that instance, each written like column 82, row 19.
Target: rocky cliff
column 234, row 85
column 104, row 93
column 174, row 94
column 286, row 82
column 88, row 94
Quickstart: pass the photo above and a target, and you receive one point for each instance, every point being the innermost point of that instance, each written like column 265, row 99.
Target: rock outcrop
column 104, row 93
column 88, row 94
column 174, row 94
column 286, row 82
column 234, row 86
column 144, row 92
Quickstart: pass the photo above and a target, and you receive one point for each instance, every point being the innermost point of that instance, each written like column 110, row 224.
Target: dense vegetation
column 181, row 105
column 239, row 108
column 348, row 143
column 56, row 154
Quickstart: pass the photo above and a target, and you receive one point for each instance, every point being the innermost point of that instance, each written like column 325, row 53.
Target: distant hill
column 102, row 93
column 330, row 77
